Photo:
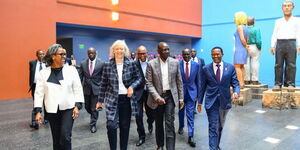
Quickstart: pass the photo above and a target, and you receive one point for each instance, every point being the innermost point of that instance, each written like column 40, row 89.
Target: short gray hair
column 118, row 42
column 288, row 1
column 50, row 52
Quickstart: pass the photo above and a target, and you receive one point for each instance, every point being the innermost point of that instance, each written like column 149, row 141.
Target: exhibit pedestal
column 245, row 97
column 281, row 99
column 257, row 90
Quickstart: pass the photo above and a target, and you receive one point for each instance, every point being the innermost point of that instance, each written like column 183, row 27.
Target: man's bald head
column 142, row 53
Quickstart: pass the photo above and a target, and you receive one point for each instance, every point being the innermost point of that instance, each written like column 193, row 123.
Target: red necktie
column 187, row 70
column 91, row 68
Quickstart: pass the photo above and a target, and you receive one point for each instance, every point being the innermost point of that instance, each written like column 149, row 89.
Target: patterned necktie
column 91, row 68
column 41, row 67
column 218, row 73
column 187, row 71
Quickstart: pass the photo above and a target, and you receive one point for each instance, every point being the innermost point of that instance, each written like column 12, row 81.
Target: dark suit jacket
column 154, row 81
column 109, row 85
column 32, row 67
column 91, row 83
column 201, row 62
column 192, row 85
column 140, row 89
column 215, row 90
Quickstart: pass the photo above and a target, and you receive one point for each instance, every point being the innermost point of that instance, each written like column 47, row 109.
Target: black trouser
column 167, row 112
column 139, row 117
column 286, row 53
column 33, row 113
column 90, row 102
column 61, row 124
column 123, row 116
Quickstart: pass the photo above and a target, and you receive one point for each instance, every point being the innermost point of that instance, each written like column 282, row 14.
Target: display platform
column 257, row 90
column 245, row 97
column 281, row 99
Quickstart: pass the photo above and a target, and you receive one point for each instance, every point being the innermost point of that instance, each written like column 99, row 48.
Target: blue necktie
column 41, row 67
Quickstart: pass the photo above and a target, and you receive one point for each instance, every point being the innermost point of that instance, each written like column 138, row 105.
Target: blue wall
column 102, row 39
column 218, row 29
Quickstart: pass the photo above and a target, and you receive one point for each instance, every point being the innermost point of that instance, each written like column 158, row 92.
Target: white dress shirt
column 164, row 74
column 184, row 66
column 195, row 59
column 286, row 29
column 221, row 69
column 122, row 88
column 37, row 69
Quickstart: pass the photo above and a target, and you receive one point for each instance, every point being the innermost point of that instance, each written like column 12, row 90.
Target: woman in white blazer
column 59, row 88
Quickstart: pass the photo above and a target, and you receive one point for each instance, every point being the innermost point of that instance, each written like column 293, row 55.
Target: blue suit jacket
column 215, row 90
column 192, row 85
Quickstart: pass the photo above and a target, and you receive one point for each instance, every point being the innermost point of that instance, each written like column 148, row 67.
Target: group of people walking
column 126, row 87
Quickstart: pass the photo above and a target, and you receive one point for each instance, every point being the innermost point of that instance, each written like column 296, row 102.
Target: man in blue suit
column 218, row 77
column 201, row 63
column 191, row 79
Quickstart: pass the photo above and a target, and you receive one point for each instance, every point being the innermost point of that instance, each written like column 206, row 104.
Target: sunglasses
column 61, row 54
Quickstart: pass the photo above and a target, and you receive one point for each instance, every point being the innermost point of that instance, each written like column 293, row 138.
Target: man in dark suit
column 90, row 73
column 142, row 96
column 218, row 77
column 164, row 83
column 191, row 78
column 34, row 68
column 201, row 63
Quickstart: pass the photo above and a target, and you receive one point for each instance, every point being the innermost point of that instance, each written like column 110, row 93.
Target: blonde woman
column 119, row 80
column 240, row 53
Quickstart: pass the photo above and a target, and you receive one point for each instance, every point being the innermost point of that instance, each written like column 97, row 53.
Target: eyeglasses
column 61, row 54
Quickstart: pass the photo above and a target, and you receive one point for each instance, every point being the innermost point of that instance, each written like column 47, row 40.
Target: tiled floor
column 245, row 129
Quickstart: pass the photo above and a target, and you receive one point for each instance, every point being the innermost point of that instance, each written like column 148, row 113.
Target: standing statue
column 240, row 49
column 254, row 50
column 283, row 45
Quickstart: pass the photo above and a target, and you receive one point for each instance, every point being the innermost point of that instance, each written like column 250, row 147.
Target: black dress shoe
column 160, row 148
column 191, row 142
column 93, row 129
column 34, row 126
column 150, row 128
column 140, row 142
column 46, row 121
column 180, row 131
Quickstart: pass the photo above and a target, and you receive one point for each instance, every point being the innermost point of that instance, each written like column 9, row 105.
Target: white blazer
column 64, row 95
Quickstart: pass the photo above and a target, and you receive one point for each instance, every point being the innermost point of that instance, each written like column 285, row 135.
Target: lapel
column 86, row 68
column 34, row 67
column 169, row 72
column 158, row 69
column 182, row 70
column 211, row 70
column 96, row 65
column 225, row 71
column 192, row 69
column 125, row 66
column 140, row 68
column 114, row 67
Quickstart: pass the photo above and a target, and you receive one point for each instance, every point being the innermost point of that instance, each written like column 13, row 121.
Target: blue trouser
column 216, row 120
column 189, row 106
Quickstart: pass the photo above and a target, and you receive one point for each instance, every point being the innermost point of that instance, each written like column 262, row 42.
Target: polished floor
column 249, row 127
